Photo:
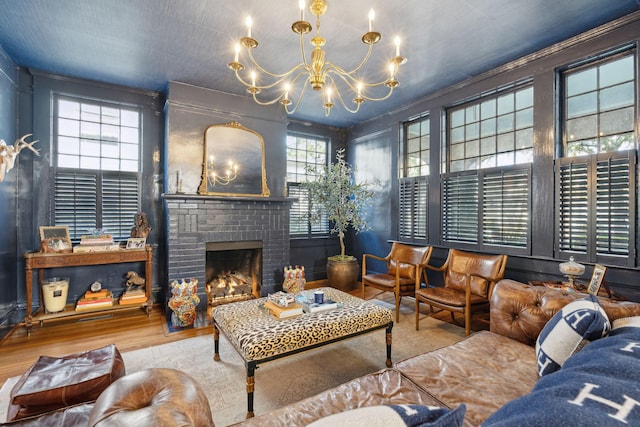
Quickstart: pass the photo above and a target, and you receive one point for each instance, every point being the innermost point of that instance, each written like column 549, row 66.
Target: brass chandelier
column 322, row 75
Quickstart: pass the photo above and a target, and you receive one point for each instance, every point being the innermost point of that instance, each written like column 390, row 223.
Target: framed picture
column 596, row 279
column 55, row 239
column 136, row 242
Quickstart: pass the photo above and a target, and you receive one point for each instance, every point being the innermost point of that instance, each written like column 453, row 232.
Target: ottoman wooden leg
column 388, row 335
column 251, row 370
column 216, row 342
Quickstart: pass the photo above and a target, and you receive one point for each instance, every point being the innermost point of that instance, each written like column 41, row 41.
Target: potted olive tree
column 335, row 193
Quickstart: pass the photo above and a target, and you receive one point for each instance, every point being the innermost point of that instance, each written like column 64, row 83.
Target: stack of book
column 281, row 312
column 308, row 306
column 92, row 300
column 135, row 296
column 96, row 243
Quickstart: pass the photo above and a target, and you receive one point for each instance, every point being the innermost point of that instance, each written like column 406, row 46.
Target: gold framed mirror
column 233, row 162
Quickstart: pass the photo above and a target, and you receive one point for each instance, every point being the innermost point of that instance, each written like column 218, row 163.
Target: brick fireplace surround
column 194, row 220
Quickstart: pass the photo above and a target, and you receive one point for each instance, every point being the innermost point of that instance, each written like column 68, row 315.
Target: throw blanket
column 598, row 386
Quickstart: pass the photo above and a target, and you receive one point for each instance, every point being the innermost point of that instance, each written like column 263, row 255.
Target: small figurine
column 134, row 281
column 141, row 226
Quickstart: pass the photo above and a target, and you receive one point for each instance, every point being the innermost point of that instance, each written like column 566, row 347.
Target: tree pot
column 343, row 275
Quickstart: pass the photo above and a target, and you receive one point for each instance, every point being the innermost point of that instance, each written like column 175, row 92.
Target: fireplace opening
column 233, row 271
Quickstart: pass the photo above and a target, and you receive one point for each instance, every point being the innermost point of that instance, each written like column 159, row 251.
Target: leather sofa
column 484, row 371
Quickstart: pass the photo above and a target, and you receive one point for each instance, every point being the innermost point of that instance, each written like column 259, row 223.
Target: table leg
column 28, row 279
column 251, row 370
column 388, row 336
column 216, row 342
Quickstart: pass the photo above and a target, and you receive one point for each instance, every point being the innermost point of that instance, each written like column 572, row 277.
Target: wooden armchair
column 404, row 270
column 469, row 279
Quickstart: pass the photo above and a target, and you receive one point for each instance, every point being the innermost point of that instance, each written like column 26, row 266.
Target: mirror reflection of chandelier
column 214, row 177
column 322, row 75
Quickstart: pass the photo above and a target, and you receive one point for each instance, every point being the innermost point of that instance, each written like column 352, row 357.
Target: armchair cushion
column 449, row 297
column 407, row 271
column 576, row 324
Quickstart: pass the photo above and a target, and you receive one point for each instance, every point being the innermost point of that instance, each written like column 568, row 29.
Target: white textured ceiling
column 146, row 43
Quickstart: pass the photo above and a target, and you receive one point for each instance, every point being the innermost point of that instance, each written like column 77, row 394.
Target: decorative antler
column 21, row 143
column 8, row 153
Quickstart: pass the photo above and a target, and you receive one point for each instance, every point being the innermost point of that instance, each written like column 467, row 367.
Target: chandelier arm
column 297, row 103
column 257, row 101
column 269, row 86
column 346, row 80
column 355, row 70
column 279, row 97
column 381, row 98
column 283, row 75
column 302, row 52
column 339, row 95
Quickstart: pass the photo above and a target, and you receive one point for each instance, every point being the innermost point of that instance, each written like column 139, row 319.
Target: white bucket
column 54, row 292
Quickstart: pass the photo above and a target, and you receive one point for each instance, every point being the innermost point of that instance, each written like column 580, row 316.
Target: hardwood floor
column 128, row 331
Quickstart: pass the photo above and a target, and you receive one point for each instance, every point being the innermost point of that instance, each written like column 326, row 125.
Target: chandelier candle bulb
column 397, row 46
column 372, row 16
column 301, row 4
column 249, row 23
column 237, row 52
column 253, row 78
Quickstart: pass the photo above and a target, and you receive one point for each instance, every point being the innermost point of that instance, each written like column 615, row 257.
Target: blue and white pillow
column 395, row 416
column 576, row 324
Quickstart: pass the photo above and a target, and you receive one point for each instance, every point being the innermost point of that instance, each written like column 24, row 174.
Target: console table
column 41, row 261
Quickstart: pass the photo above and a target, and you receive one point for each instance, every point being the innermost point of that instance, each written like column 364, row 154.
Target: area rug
column 285, row 380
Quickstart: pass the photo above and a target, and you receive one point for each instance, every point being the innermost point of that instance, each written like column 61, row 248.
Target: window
column 304, row 151
column 414, row 182
column 486, row 193
column 96, row 166
column 495, row 131
column 595, row 180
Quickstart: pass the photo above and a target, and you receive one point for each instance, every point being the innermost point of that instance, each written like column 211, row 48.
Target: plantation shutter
column 120, row 196
column 78, row 195
column 413, row 199
column 75, row 202
column 597, row 221
column 460, row 208
column 573, row 207
column 613, row 207
column 506, row 203
column 299, row 214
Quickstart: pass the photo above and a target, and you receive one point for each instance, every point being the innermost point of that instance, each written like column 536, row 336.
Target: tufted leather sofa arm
column 153, row 397
column 520, row 311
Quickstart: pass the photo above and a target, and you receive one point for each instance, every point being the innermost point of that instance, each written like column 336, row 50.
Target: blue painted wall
column 9, row 229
